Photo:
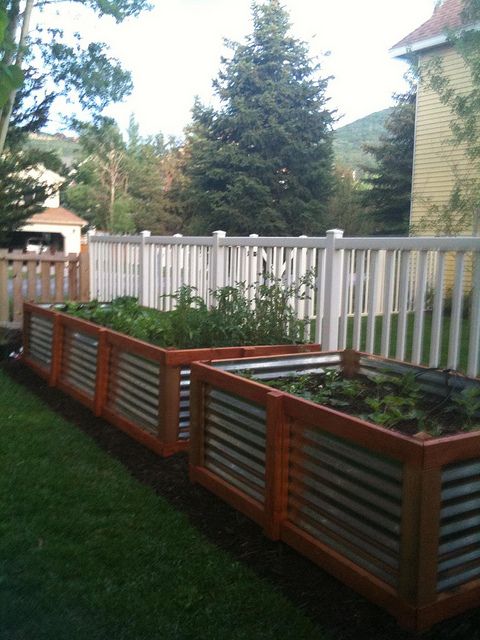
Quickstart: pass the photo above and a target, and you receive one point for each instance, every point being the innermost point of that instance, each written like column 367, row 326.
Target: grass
column 88, row 552
column 463, row 351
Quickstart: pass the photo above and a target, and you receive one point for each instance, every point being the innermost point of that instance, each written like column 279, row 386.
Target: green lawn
column 426, row 338
column 88, row 553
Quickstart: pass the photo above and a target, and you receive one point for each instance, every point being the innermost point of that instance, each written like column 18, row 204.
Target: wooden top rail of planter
column 394, row 516
column 142, row 388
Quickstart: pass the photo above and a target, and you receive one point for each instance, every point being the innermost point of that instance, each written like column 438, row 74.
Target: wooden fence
column 46, row 277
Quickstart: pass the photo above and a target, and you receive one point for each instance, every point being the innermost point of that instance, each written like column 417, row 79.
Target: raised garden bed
column 141, row 388
column 395, row 516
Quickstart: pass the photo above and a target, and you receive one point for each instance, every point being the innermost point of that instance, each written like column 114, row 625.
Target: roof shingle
column 56, row 215
column 446, row 16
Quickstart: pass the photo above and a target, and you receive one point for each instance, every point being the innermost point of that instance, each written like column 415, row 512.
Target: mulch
column 339, row 611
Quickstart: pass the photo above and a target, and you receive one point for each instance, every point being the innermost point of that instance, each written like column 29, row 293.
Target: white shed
column 57, row 220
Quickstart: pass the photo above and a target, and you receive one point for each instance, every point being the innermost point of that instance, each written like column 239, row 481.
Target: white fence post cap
column 146, row 234
column 336, row 233
column 220, row 234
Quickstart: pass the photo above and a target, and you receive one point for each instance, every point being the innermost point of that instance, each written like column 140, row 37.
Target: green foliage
column 11, row 76
column 344, row 209
column 58, row 63
column 467, row 403
column 121, row 186
column 389, row 400
column 262, row 162
column 233, row 321
column 350, row 139
column 390, row 179
column 21, row 196
column 460, row 213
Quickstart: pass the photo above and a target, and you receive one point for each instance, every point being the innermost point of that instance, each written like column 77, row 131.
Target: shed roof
column 57, row 215
column 446, row 16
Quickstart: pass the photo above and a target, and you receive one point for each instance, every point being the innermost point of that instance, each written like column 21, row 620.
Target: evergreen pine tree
column 390, row 180
column 262, row 162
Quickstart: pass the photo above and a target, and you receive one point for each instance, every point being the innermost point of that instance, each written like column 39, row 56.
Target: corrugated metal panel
column 133, row 388
column 79, row 361
column 430, row 381
column 346, row 497
column 40, row 340
column 281, row 367
column 459, row 549
column 184, row 416
column 235, row 441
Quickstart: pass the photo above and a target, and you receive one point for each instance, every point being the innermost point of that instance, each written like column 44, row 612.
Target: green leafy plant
column 467, row 403
column 241, row 315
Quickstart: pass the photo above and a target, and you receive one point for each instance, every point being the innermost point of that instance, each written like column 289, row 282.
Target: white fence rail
column 416, row 299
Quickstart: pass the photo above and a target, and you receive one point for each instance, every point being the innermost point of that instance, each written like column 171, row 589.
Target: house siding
column 436, row 160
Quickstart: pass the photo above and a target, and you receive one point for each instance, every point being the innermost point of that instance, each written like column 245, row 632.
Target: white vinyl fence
column 380, row 295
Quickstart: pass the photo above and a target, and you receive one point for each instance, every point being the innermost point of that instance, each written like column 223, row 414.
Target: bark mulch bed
column 338, row 610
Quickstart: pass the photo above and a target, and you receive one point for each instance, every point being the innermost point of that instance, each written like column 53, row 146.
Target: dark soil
column 337, row 610
column 395, row 402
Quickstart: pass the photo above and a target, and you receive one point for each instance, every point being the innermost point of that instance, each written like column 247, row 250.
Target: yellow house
column 438, row 163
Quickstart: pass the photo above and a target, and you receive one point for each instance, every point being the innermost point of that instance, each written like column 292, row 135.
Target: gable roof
column 57, row 215
column 433, row 32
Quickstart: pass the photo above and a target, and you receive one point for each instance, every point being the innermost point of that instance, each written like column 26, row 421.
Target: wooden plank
column 442, row 451
column 17, row 291
column 57, row 350
column 31, row 281
column 409, row 540
column 45, row 295
column 137, row 347
column 103, row 372
column 85, row 277
column 197, row 421
column 169, row 404
column 4, row 301
column 428, row 536
column 276, row 466
column 72, row 276
column 59, row 277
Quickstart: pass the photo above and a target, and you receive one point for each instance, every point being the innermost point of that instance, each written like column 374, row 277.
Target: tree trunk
column 20, row 49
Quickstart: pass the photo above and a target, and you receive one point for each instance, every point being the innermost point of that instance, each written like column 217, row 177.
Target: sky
column 174, row 51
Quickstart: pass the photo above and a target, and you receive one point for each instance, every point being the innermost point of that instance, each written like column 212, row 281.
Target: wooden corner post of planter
column 197, row 435
column 168, row 406
column 420, row 537
column 26, row 328
column 276, row 465
column 350, row 360
column 57, row 349
column 101, row 381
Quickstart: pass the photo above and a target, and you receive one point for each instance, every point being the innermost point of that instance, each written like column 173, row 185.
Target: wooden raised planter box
column 395, row 517
column 141, row 388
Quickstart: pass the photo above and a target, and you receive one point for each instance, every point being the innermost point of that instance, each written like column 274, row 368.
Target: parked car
column 36, row 245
